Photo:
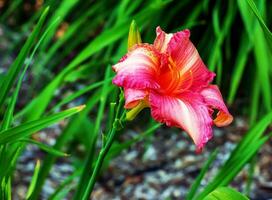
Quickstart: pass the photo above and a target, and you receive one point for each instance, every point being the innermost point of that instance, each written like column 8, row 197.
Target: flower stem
column 100, row 160
column 119, row 117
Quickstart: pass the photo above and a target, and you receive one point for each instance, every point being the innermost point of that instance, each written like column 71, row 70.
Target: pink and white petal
column 133, row 96
column 214, row 99
column 184, row 56
column 138, row 68
column 162, row 40
column 188, row 112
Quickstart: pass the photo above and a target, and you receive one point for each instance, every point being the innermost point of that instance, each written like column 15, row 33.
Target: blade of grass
column 255, row 101
column 61, row 12
column 80, row 93
column 202, row 173
column 87, row 172
column 45, row 148
column 12, row 163
column 263, row 65
column 5, row 188
column 239, row 66
column 267, row 32
column 8, row 117
column 70, row 33
column 26, row 129
column 119, row 117
column 250, row 178
column 33, row 180
column 11, row 8
column 73, row 127
column 243, row 152
column 117, row 148
column 106, row 38
column 260, row 49
column 225, row 193
column 59, row 191
column 228, row 20
column 19, row 61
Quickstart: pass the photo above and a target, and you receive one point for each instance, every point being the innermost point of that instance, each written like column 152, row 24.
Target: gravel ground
column 163, row 167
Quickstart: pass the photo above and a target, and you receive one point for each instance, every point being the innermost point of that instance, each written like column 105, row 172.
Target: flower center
column 172, row 80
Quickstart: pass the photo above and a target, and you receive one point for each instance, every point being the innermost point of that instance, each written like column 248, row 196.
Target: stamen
column 176, row 79
column 172, row 84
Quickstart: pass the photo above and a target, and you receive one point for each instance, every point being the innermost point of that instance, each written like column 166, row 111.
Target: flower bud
column 136, row 110
column 134, row 36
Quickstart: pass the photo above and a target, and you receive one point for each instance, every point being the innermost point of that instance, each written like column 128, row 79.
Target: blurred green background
column 69, row 63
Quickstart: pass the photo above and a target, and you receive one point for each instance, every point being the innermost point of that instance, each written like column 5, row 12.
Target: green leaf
column 225, row 193
column 255, row 101
column 81, row 92
column 84, row 179
column 267, row 32
column 5, row 188
column 11, row 8
column 246, row 148
column 261, row 49
column 202, row 173
column 45, row 147
column 239, row 66
column 33, row 180
column 63, row 9
column 263, row 67
column 19, row 61
column 61, row 190
column 18, row 132
column 70, row 33
column 11, row 104
column 106, row 38
column 40, row 103
column 70, row 130
column 221, row 34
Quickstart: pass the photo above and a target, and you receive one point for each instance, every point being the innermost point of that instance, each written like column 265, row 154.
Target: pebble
column 150, row 154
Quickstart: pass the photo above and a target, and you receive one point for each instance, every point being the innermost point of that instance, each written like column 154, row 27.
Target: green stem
column 119, row 117
column 101, row 158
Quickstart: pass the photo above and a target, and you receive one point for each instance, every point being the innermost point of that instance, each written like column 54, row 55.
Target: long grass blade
column 26, row 129
column 33, row 180
column 202, row 173
column 45, row 148
column 19, row 61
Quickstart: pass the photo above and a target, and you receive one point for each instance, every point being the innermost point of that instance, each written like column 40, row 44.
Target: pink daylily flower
column 170, row 77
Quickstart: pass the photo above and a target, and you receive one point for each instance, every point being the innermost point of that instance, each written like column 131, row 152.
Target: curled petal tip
column 214, row 99
column 158, row 30
column 223, row 119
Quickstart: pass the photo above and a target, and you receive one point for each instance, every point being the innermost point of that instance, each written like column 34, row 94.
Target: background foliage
column 65, row 61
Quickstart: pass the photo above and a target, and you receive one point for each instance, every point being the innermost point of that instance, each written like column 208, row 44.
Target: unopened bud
column 134, row 36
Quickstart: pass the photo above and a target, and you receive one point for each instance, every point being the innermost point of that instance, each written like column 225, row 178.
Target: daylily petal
column 137, row 68
column 162, row 40
column 213, row 98
column 185, row 58
column 188, row 112
column 133, row 97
